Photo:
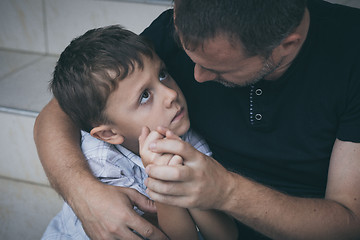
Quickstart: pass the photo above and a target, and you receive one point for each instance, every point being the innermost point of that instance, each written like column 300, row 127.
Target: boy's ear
column 107, row 134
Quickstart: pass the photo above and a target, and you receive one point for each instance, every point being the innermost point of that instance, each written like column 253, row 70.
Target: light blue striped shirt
column 113, row 165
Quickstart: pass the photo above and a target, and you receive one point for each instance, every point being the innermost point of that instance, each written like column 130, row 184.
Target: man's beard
column 268, row 67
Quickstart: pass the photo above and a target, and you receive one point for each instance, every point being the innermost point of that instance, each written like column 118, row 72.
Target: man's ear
column 291, row 42
column 107, row 134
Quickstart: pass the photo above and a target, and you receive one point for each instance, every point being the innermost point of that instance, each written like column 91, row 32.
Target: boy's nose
column 203, row 75
column 170, row 96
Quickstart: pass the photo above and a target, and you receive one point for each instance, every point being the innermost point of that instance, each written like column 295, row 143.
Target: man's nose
column 203, row 75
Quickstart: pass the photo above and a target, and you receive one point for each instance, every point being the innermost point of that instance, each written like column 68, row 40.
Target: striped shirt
column 113, row 165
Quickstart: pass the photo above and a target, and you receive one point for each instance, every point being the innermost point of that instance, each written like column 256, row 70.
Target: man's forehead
column 217, row 55
column 220, row 45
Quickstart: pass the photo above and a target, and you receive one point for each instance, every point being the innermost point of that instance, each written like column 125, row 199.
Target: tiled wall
column 46, row 26
column 32, row 34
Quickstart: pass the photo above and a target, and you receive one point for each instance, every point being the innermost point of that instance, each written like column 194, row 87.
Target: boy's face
column 147, row 97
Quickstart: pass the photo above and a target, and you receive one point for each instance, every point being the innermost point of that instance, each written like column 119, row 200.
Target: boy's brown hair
column 89, row 69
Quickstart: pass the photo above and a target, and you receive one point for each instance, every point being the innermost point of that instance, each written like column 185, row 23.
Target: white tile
column 28, row 88
column 26, row 209
column 353, row 3
column 19, row 159
column 335, row 1
column 11, row 61
column 68, row 19
column 22, row 25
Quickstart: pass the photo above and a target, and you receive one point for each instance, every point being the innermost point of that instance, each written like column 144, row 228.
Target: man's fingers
column 175, row 188
column 174, row 146
column 168, row 173
column 179, row 201
column 146, row 229
column 138, row 223
column 140, row 201
column 127, row 234
column 138, row 228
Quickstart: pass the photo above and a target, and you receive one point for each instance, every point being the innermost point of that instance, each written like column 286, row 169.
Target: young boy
column 111, row 84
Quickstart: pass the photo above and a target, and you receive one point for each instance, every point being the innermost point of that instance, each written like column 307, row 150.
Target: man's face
column 218, row 60
column 147, row 97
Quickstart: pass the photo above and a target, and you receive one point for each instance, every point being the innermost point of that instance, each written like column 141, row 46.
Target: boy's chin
column 182, row 129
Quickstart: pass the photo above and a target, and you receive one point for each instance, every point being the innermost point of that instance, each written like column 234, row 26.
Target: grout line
column 21, row 112
column 19, row 68
column 40, row 54
column 25, row 181
column 149, row 2
column 46, row 36
column 15, row 50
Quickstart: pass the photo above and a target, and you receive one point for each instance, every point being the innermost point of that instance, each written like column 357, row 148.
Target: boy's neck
column 132, row 146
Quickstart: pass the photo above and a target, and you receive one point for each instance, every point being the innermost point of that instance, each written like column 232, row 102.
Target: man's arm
column 270, row 212
column 105, row 211
column 58, row 144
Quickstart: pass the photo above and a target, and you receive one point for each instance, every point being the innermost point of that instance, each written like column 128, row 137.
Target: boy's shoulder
column 93, row 147
column 103, row 156
column 100, row 153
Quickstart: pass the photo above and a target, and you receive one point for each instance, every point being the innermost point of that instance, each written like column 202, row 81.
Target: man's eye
column 145, row 96
column 163, row 75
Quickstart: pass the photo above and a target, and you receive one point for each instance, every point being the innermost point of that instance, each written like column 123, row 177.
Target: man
column 278, row 104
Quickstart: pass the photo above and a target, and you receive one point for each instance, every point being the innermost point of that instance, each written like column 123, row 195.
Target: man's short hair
column 260, row 25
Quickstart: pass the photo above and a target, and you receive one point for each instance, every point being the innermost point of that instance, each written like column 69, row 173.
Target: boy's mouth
column 179, row 115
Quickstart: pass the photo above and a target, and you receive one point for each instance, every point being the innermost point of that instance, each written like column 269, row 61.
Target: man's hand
column 108, row 214
column 201, row 182
column 149, row 157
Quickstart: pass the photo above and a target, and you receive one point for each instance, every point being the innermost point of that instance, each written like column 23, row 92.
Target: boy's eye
column 163, row 75
column 145, row 96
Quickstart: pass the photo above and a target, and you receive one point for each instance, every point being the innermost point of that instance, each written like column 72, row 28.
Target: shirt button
column 258, row 91
column 258, row 116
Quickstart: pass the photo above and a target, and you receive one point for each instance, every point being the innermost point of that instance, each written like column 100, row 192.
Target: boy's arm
column 176, row 222
column 103, row 210
column 214, row 225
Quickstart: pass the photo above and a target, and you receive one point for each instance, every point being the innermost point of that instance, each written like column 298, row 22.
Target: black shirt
column 279, row 133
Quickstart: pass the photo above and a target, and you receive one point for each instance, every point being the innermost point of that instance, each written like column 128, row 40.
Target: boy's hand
column 198, row 183
column 149, row 157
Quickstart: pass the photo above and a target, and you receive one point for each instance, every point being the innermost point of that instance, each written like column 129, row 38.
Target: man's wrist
column 229, row 191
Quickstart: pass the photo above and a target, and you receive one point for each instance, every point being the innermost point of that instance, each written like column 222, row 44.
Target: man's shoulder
column 336, row 14
column 164, row 20
column 335, row 29
column 161, row 34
